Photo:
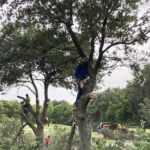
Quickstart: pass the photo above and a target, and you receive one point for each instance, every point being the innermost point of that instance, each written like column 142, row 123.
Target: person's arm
column 26, row 100
column 21, row 97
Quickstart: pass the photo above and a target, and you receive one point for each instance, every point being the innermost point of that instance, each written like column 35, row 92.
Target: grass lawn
column 49, row 129
column 52, row 127
column 56, row 130
column 135, row 129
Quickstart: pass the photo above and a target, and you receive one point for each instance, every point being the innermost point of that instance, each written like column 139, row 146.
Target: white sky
column 118, row 78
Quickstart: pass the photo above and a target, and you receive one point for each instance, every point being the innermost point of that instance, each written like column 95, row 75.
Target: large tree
column 103, row 32
column 137, row 93
column 33, row 56
column 110, row 105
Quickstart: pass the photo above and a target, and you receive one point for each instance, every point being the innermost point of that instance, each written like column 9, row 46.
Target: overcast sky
column 118, row 78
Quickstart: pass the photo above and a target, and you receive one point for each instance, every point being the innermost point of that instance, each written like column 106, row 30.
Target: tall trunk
column 83, row 124
column 46, row 101
column 85, row 135
column 36, row 94
column 39, row 137
column 70, row 139
column 39, row 133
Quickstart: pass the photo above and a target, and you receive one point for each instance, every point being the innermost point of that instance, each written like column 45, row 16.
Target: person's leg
column 26, row 112
column 25, row 109
column 79, row 94
column 46, row 146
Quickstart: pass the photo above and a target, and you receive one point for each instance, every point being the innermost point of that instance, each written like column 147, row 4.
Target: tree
column 145, row 111
column 109, row 106
column 50, row 111
column 115, row 111
column 62, row 113
column 8, row 130
column 99, row 30
column 134, row 95
column 27, row 58
column 7, row 105
column 136, row 91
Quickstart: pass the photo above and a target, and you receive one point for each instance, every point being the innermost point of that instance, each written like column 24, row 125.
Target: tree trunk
column 46, row 101
column 83, row 124
column 85, row 135
column 39, row 137
column 69, row 143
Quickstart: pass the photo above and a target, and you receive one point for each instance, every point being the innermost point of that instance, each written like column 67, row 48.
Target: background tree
column 62, row 113
column 109, row 106
column 13, row 105
column 99, row 30
column 27, row 58
column 136, row 91
column 8, row 130
column 145, row 112
column 49, row 111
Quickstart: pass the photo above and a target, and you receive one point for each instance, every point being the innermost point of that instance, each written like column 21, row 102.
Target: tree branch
column 119, row 43
column 71, row 12
column 92, row 48
column 71, row 135
column 27, row 88
column 75, row 41
column 97, row 65
column 18, row 134
column 22, row 115
column 36, row 94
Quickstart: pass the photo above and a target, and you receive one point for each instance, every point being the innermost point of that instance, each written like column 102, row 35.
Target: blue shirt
column 81, row 72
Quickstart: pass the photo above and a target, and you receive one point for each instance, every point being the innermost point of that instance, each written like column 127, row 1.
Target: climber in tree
column 25, row 104
column 81, row 75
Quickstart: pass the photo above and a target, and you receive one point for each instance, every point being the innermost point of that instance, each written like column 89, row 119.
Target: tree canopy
column 102, row 32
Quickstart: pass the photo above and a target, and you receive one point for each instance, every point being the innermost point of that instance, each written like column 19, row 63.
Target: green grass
column 52, row 127
column 135, row 129
column 48, row 129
